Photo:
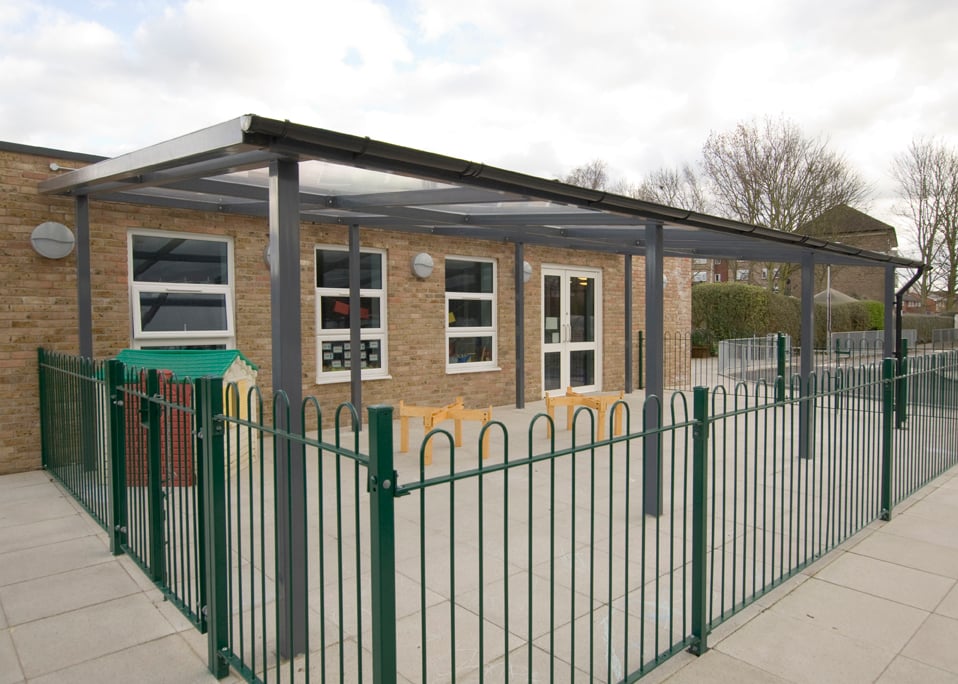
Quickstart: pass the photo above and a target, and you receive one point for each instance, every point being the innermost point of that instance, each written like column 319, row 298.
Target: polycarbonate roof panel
column 346, row 179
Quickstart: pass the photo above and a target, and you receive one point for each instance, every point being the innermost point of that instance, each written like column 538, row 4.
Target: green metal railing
column 73, row 414
column 306, row 559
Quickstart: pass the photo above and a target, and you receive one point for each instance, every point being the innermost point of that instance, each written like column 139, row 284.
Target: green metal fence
column 73, row 414
column 307, row 557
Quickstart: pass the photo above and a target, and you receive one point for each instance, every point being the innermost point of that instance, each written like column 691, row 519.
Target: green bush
column 730, row 310
column 924, row 324
column 876, row 315
column 784, row 315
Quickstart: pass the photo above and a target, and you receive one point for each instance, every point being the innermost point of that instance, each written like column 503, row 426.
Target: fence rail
column 306, row 556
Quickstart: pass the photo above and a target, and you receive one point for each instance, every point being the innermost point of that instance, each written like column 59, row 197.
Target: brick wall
column 39, row 303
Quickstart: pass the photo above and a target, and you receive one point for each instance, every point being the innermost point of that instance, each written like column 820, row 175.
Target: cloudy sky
column 537, row 86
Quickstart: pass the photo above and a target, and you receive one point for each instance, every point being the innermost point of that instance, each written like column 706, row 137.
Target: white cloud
column 537, row 85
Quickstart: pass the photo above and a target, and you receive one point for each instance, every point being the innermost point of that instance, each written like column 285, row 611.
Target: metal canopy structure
column 352, row 180
column 290, row 174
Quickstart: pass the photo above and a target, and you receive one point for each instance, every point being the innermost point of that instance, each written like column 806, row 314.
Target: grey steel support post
column 84, row 293
column 519, row 278
column 355, row 363
column 287, row 357
column 216, row 562
column 627, row 302
column 115, row 373
column 654, row 377
column 807, row 364
column 889, row 300
column 382, row 546
column 700, row 441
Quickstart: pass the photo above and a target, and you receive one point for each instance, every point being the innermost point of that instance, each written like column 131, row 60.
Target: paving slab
column 934, row 644
column 60, row 641
column 905, row 670
column 55, row 594
column 801, row 652
column 888, row 580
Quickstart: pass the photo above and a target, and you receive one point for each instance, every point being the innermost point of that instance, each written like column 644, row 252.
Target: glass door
column 570, row 329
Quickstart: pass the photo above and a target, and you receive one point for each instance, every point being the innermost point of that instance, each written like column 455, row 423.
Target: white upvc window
column 181, row 290
column 471, row 338
column 741, row 274
column 700, row 276
column 334, row 357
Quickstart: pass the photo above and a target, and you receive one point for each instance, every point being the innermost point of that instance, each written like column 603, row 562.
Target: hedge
column 733, row 310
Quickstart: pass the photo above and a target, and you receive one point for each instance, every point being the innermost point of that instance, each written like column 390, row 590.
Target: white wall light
column 526, row 271
column 422, row 265
column 52, row 240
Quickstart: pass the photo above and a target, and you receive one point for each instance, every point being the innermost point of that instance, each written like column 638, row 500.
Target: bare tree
column 927, row 175
column 770, row 174
column 594, row 175
column 675, row 187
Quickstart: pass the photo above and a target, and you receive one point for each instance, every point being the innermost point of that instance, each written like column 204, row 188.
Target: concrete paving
column 70, row 611
column 883, row 607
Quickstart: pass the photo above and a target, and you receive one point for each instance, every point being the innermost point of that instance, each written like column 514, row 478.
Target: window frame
column 492, row 331
column 144, row 339
column 333, row 335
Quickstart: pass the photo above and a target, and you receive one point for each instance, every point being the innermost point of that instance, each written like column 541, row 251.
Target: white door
column 570, row 329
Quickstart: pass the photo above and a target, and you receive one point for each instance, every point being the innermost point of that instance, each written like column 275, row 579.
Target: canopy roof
column 351, row 180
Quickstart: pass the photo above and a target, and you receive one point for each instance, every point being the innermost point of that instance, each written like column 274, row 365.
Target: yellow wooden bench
column 599, row 403
column 432, row 416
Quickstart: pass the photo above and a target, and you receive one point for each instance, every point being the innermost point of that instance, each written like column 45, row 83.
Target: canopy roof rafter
column 350, row 180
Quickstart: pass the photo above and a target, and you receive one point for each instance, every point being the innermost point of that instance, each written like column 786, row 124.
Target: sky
column 537, row 86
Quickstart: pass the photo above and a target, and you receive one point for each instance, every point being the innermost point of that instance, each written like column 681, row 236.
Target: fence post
column 382, row 535
column 44, row 411
column 887, row 452
column 700, row 440
column 901, row 388
column 115, row 377
column 641, row 356
column 154, row 492
column 214, row 559
column 780, row 370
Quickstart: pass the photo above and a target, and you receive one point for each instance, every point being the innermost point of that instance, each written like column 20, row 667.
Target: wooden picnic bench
column 599, row 403
column 433, row 415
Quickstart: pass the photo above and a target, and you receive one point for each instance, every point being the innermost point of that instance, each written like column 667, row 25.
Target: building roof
column 351, row 180
column 186, row 363
column 841, row 223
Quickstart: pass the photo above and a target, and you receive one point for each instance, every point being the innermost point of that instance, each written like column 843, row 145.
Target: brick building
column 849, row 226
column 425, row 340
column 349, row 269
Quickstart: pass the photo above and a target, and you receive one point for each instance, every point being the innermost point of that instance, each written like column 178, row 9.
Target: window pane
column 469, row 276
column 182, row 312
column 335, row 312
column 582, row 368
column 470, row 313
column 582, row 309
column 337, row 355
column 332, row 269
column 553, row 371
column 161, row 259
column 470, row 349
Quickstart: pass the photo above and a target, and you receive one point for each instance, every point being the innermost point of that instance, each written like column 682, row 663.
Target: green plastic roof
column 185, row 363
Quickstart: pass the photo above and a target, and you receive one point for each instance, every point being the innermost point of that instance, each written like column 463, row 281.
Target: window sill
column 344, row 379
column 456, row 369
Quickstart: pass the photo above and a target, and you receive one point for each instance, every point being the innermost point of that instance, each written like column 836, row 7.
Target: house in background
column 841, row 224
column 849, row 226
